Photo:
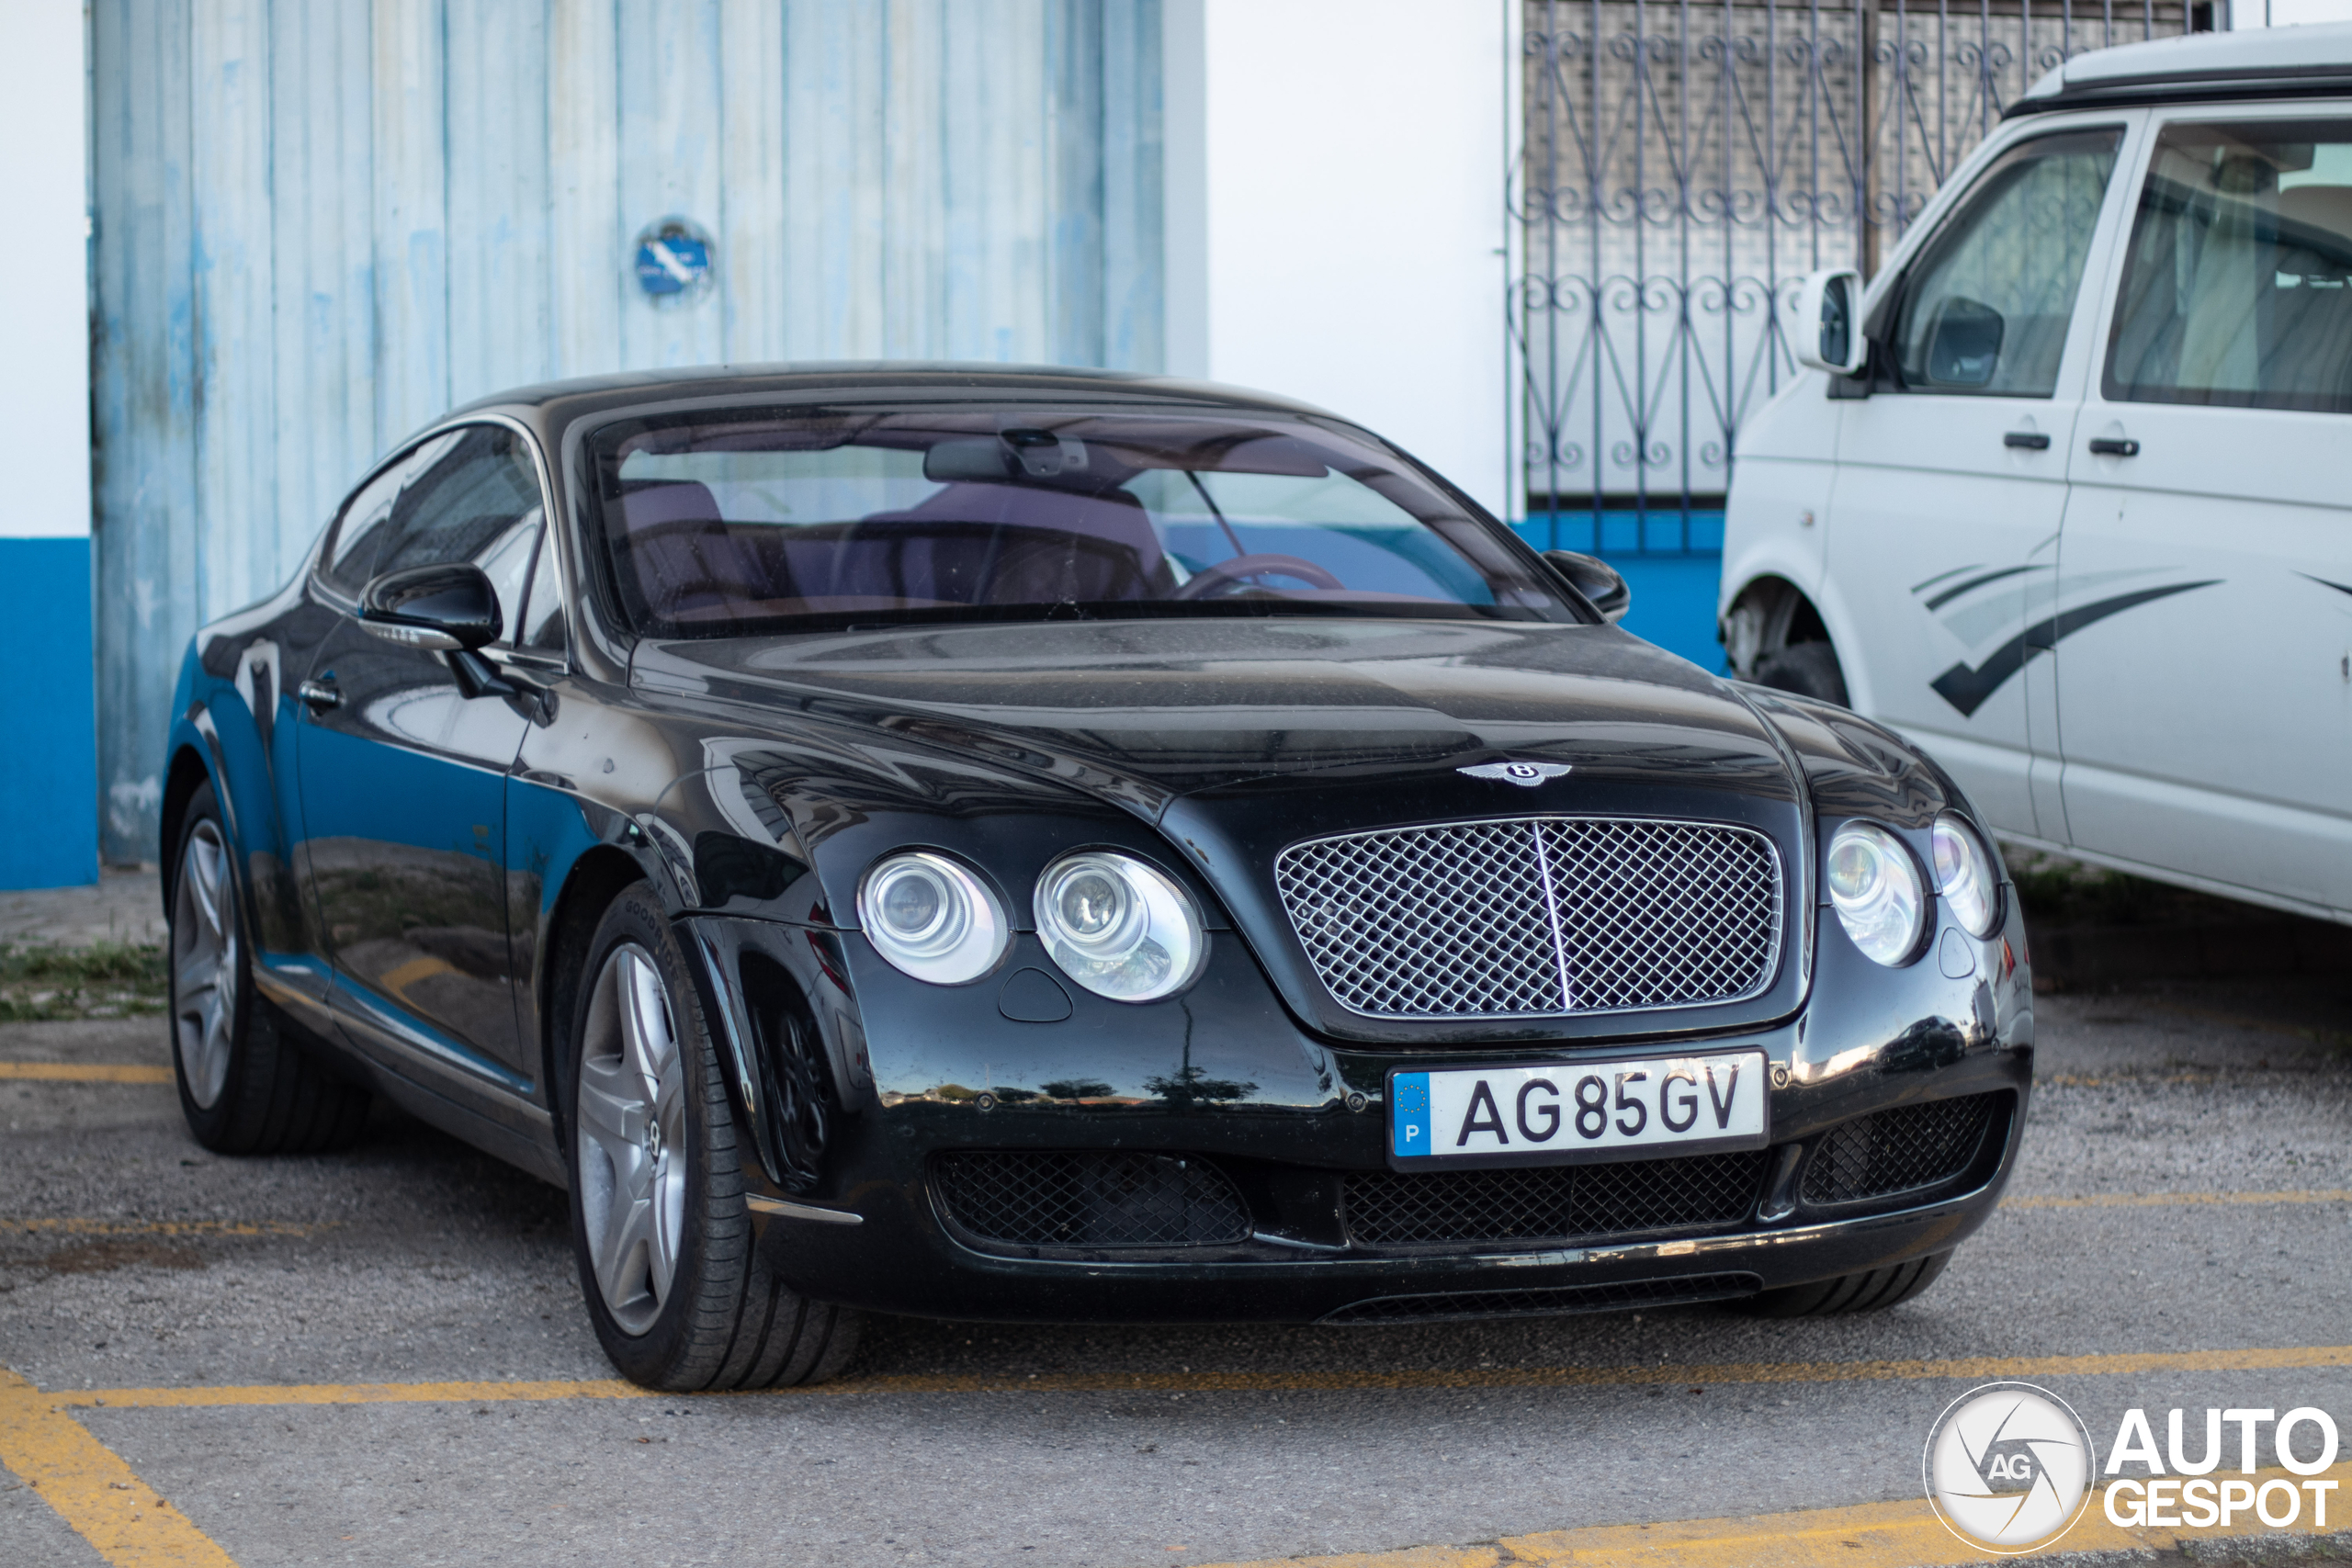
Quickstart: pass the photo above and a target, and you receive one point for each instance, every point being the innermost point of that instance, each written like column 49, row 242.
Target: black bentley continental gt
column 985, row 842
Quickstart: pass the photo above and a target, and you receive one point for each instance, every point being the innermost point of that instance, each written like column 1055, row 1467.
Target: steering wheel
column 1240, row 567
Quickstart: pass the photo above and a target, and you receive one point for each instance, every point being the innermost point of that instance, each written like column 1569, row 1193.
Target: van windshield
column 726, row 524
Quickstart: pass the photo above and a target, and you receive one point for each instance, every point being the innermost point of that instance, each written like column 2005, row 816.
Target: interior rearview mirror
column 447, row 608
column 1965, row 343
column 1827, row 332
column 1596, row 580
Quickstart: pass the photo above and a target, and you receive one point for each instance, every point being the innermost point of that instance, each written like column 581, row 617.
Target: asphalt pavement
column 379, row 1356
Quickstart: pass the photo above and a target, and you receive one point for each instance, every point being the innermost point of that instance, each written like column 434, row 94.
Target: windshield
column 720, row 523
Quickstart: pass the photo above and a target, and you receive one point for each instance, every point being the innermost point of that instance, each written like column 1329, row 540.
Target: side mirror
column 1965, row 344
column 1827, row 332
column 1596, row 580
column 446, row 609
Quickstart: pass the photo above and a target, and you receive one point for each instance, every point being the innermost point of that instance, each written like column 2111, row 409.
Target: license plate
column 1562, row 1113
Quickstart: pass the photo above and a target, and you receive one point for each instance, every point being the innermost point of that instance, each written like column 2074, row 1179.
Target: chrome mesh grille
column 1537, row 915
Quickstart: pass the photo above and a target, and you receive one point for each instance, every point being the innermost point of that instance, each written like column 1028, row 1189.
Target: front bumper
column 929, row 1073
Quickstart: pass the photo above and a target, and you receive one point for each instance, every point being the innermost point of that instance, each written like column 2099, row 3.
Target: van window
column 2237, row 289
column 1986, row 307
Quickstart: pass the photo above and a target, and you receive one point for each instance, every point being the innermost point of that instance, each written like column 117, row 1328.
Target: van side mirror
column 1595, row 579
column 1965, row 344
column 1827, row 331
column 448, row 608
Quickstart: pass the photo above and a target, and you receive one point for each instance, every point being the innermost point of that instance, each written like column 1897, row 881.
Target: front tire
column 246, row 1088
column 668, row 1262
column 1874, row 1289
column 1808, row 669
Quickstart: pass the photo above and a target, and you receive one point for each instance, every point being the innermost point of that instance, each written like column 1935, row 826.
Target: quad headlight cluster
column 1116, row 926
column 1882, row 899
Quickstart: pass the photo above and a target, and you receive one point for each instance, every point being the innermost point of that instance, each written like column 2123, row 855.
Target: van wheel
column 1808, row 669
column 1874, row 1290
column 675, row 1281
column 247, row 1087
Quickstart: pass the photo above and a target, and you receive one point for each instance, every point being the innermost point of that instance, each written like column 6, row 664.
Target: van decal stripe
column 1966, row 689
column 1949, row 594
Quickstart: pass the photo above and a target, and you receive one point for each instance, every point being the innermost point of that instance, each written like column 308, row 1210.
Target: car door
column 403, row 773
column 1944, row 516
column 2205, row 575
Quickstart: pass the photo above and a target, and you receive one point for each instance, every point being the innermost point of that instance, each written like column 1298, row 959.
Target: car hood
column 1145, row 712
column 1231, row 740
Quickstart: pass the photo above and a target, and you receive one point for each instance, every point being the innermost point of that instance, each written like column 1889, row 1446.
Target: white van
column 2072, row 507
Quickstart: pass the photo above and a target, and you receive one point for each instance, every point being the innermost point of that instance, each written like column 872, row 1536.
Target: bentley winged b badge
column 1527, row 773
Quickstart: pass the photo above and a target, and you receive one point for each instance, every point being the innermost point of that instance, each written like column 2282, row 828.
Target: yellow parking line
column 1875, row 1534
column 83, row 1072
column 2167, row 1199
column 168, row 1227
column 1972, row 1368
column 91, row 1489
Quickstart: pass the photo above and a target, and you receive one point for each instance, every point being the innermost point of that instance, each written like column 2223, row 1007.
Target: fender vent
column 1625, row 1297
column 1087, row 1199
column 1902, row 1150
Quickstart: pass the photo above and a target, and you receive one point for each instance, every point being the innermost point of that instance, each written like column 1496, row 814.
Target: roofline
column 2272, row 84
column 867, row 380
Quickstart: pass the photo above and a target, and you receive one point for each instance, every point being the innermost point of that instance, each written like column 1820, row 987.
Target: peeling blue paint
column 319, row 226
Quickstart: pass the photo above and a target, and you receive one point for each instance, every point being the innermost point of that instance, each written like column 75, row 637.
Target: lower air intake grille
column 1092, row 1200
column 1552, row 1202
column 1899, row 1150
column 1623, row 1297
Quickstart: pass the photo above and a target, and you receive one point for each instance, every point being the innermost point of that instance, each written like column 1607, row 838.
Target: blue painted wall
column 49, row 788
column 319, row 225
column 1673, row 561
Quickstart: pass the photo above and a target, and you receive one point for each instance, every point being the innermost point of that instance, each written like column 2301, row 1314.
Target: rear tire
column 248, row 1085
column 1874, row 1290
column 669, row 1264
column 1808, row 669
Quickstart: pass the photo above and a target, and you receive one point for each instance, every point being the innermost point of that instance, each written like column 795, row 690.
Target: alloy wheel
column 204, row 963
column 631, row 1116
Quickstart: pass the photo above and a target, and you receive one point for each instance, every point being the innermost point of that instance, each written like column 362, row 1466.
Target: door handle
column 319, row 695
column 2031, row 440
column 2114, row 446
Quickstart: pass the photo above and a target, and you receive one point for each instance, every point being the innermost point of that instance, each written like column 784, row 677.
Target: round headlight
column 931, row 918
column 1875, row 885
column 1119, row 928
column 1964, row 876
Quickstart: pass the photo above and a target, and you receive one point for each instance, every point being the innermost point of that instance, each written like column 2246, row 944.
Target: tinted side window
column 350, row 558
column 2237, row 289
column 1986, row 307
column 468, row 494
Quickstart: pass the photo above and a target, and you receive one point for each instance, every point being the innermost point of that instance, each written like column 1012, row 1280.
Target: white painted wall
column 2287, row 13
column 1335, row 213
column 44, row 274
